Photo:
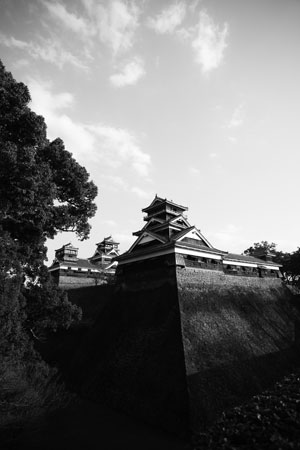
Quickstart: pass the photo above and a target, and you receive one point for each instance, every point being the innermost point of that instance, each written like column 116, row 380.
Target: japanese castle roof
column 160, row 201
column 153, row 239
column 249, row 259
column 79, row 263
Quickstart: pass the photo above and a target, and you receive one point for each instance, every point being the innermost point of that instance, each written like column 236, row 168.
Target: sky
column 195, row 101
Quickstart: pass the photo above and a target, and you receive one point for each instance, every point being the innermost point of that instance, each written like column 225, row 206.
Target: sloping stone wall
column 175, row 346
column 132, row 358
column 239, row 334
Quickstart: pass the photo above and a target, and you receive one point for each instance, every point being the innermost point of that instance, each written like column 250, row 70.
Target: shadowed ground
column 85, row 425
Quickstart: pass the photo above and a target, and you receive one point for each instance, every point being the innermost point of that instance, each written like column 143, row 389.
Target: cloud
column 237, row 118
column 46, row 100
column 126, row 239
column 70, row 20
column 115, row 182
column 11, row 42
column 108, row 222
column 213, row 155
column 232, row 139
column 130, row 73
column 92, row 144
column 228, row 238
column 194, row 171
column 119, row 145
column 49, row 50
column 169, row 19
column 21, row 63
column 139, row 192
column 115, row 23
column 210, row 43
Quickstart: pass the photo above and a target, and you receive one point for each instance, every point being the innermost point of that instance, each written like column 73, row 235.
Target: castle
column 186, row 331
column 168, row 234
column 69, row 271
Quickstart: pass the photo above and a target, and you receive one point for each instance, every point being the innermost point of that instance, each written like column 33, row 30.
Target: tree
column 43, row 190
column 263, row 245
column 290, row 262
column 291, row 267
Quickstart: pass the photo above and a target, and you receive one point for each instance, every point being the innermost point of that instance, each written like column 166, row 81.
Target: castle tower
column 71, row 272
column 106, row 251
column 67, row 253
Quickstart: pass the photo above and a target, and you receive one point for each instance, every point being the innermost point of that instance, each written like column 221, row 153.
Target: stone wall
column 132, row 359
column 239, row 334
column 70, row 281
column 175, row 346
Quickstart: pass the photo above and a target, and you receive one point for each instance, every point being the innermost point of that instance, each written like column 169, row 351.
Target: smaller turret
column 66, row 253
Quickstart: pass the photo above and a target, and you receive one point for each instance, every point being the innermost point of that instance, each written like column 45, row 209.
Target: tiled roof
column 82, row 263
column 250, row 259
column 200, row 246
column 163, row 200
column 182, row 233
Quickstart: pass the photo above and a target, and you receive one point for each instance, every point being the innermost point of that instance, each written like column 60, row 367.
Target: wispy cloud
column 115, row 23
column 93, row 144
column 140, row 192
column 11, row 42
column 232, row 139
column 108, row 222
column 114, row 182
column 129, row 74
column 228, row 238
column 169, row 19
column 237, row 118
column 67, row 18
column 118, row 183
column 194, row 171
column 120, row 146
column 210, row 43
column 48, row 50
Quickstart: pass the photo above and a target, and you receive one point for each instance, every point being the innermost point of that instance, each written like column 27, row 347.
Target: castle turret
column 105, row 252
column 67, row 253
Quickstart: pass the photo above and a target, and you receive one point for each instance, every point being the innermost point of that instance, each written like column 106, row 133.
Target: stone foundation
column 175, row 346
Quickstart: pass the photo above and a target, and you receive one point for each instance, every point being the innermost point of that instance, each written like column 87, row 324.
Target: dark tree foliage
column 290, row 262
column 291, row 267
column 264, row 245
column 42, row 190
